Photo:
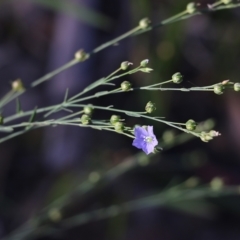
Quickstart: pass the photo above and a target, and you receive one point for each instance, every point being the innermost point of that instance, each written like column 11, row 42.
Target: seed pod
column 236, row 87
column 88, row 110
column 177, row 77
column 81, row 55
column 150, row 107
column 144, row 63
column 119, row 126
column 85, row 119
column 191, row 125
column 191, row 7
column 126, row 86
column 114, row 119
column 144, row 23
column 17, row 85
column 124, row 65
column 218, row 89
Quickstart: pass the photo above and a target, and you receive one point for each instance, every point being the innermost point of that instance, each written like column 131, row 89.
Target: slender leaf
column 98, row 94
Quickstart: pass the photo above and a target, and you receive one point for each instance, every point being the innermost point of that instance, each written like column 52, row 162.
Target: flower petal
column 137, row 143
column 150, row 131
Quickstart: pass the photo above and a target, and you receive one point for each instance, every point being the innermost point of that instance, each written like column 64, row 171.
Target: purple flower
column 145, row 139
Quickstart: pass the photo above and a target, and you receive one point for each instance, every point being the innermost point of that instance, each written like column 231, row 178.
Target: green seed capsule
column 177, row 77
column 205, row 137
column 150, row 107
column 144, row 23
column 81, row 55
column 218, row 89
column 124, row 65
column 17, row 85
column 114, row 119
column 144, row 63
column 236, row 87
column 191, row 125
column 119, row 126
column 191, row 8
column 88, row 110
column 85, row 119
column 126, row 86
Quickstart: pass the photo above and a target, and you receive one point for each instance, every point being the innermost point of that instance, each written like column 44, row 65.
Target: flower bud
column 144, row 63
column 88, row 110
column 125, row 65
column 177, row 77
column 205, row 137
column 81, row 55
column 146, row 70
column 191, row 125
column 191, row 7
column 17, row 85
column 150, row 107
column 126, row 86
column 236, row 87
column 1, row 119
column 119, row 126
column 226, row 1
column 225, row 82
column 144, row 23
column 85, row 119
column 114, row 119
column 218, row 89
column 214, row 133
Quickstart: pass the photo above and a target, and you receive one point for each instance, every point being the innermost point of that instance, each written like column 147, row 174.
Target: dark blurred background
column 37, row 36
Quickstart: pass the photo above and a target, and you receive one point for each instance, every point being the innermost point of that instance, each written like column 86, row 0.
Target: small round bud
column 144, row 23
column 1, row 119
column 81, row 55
column 126, row 86
column 85, row 119
column 144, row 63
column 88, row 110
column 236, row 87
column 150, row 107
column 114, row 119
column 177, row 77
column 191, row 125
column 125, row 65
column 17, row 85
column 218, row 89
column 191, row 7
column 226, row 1
column 119, row 126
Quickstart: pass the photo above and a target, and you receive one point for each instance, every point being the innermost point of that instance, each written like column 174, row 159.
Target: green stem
column 11, row 95
column 139, row 115
column 55, row 72
column 216, row 4
column 116, row 40
column 174, row 18
column 157, row 84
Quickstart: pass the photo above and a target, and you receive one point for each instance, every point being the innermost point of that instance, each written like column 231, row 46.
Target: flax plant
column 80, row 113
